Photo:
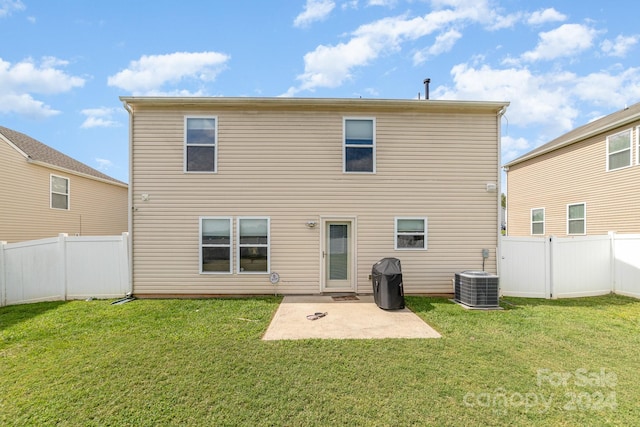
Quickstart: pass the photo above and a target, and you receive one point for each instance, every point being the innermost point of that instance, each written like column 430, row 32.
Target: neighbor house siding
column 576, row 173
column 287, row 165
column 96, row 208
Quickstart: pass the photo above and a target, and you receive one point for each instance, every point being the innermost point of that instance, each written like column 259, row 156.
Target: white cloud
column 103, row 164
column 566, row 40
column 547, row 15
column 19, row 83
column 387, row 3
column 513, row 147
column 444, row 43
column 542, row 100
column 7, row 7
column 24, row 105
column 609, row 88
column 314, row 10
column 620, row 46
column 99, row 117
column 331, row 65
column 151, row 72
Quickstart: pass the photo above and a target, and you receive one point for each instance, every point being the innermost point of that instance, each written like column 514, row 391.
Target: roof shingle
column 40, row 152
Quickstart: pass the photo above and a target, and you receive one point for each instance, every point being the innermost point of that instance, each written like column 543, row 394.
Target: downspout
column 130, row 197
column 502, row 111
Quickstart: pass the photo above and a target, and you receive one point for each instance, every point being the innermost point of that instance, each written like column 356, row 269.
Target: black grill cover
column 388, row 293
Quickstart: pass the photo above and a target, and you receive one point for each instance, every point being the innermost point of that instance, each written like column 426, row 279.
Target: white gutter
column 130, row 197
column 501, row 113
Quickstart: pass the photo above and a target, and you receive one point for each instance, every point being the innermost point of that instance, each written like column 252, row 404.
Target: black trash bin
column 388, row 293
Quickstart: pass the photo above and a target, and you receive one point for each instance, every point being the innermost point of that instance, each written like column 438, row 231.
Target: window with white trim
column 59, row 192
column 577, row 218
column 215, row 245
column 537, row 221
column 200, row 144
column 359, row 145
column 253, row 245
column 619, row 150
column 638, row 145
column 411, row 233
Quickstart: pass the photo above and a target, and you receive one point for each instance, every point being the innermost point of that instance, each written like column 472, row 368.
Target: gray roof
column 39, row 152
column 603, row 124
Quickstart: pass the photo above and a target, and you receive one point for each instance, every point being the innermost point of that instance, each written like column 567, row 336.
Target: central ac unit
column 476, row 289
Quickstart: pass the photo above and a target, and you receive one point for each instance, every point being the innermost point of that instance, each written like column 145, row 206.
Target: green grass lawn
column 202, row 362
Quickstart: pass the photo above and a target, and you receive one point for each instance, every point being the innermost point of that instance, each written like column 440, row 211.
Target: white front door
column 338, row 256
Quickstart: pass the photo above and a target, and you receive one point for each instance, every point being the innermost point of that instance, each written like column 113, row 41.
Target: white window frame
column 345, row 145
column 638, row 145
column 230, row 245
column 538, row 222
column 214, row 145
column 584, row 232
column 630, row 149
column 51, row 192
column 396, row 233
column 267, row 245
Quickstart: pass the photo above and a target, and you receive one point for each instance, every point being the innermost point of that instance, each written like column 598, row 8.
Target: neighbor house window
column 200, row 138
column 576, row 218
column 359, row 145
column 638, row 145
column 253, row 245
column 537, row 221
column 619, row 150
column 215, row 245
column 59, row 192
column 411, row 233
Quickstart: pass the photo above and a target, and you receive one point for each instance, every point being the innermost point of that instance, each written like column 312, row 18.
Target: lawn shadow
column 13, row 314
column 594, row 302
column 424, row 304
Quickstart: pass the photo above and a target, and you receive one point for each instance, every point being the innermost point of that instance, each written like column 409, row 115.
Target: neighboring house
column 45, row 193
column 232, row 194
column 586, row 182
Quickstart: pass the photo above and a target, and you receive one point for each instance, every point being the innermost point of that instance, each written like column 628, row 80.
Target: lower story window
column 253, row 245
column 411, row 233
column 537, row 221
column 576, row 218
column 215, row 245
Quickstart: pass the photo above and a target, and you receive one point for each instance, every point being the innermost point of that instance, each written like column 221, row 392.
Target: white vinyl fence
column 554, row 267
column 64, row 268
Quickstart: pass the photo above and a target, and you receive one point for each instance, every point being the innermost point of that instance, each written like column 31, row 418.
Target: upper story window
column 619, row 150
column 200, row 139
column 411, row 233
column 537, row 221
column 359, row 145
column 577, row 218
column 59, row 192
column 215, row 245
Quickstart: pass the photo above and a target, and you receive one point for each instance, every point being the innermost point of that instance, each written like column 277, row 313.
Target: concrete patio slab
column 346, row 319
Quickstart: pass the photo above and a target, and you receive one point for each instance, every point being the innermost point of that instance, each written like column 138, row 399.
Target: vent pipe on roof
column 426, row 88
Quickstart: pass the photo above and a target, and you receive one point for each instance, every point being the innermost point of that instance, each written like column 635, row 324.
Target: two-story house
column 303, row 196
column 585, row 182
column 45, row 192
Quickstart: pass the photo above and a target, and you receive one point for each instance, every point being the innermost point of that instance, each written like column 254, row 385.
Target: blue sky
column 64, row 63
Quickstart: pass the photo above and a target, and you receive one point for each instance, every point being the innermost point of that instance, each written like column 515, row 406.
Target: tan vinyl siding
column 96, row 208
column 573, row 174
column 287, row 165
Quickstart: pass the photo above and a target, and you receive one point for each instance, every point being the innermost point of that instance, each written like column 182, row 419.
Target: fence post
column 612, row 260
column 3, row 276
column 124, row 260
column 549, row 267
column 62, row 254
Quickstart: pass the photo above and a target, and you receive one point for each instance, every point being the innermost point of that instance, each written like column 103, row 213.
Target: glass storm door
column 338, row 256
